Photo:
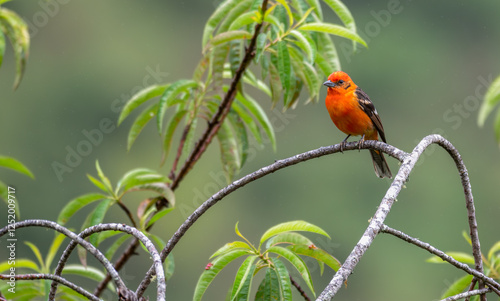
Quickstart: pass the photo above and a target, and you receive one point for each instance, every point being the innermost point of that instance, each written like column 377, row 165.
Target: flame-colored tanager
column 353, row 113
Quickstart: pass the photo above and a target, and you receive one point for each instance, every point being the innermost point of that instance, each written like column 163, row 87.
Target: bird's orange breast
column 347, row 115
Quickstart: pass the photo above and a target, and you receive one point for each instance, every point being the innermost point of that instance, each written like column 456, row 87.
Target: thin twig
column 301, row 291
column 494, row 286
column 216, row 121
column 277, row 165
column 55, row 278
column 468, row 294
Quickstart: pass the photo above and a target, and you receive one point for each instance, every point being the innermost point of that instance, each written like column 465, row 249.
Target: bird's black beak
column 329, row 83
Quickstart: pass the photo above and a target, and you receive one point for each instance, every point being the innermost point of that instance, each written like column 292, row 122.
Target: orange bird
column 353, row 113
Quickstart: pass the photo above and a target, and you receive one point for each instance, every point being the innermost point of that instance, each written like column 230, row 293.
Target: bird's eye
column 341, row 82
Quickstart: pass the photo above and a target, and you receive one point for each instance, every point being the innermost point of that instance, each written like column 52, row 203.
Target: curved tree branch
column 385, row 206
column 322, row 151
column 157, row 262
column 468, row 294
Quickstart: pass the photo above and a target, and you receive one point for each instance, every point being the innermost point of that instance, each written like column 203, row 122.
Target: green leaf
column 107, row 234
column 76, row 204
column 169, row 133
column 275, row 83
column 491, row 98
column 38, row 255
column 243, row 280
column 317, row 8
column 132, row 177
column 327, row 50
column 458, row 286
column 291, row 226
column 235, row 245
column 343, row 12
column 259, row 45
column 140, row 122
column 459, row 256
column 296, row 261
column 159, row 215
column 97, row 217
column 283, row 278
column 253, row 107
column 217, row 59
column 2, row 46
column 54, row 247
column 284, row 66
column 229, row 150
column 98, row 183
column 169, row 96
column 169, row 266
column 496, row 126
column 213, row 269
column 319, row 254
column 139, row 98
column 305, row 43
column 227, row 36
column 189, row 142
column 269, row 288
column 288, row 10
column 104, row 180
column 110, row 252
column 240, row 134
column 289, row 238
column 244, row 20
column 17, row 31
column 217, row 16
column 495, row 248
column 15, row 165
column 20, row 263
column 247, row 120
column 87, row 272
column 334, row 30
column 235, row 51
column 234, row 13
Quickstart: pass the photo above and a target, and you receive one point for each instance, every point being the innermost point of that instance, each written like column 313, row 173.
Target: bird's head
column 339, row 80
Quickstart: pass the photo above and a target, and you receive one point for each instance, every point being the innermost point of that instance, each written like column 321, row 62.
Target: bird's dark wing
column 367, row 106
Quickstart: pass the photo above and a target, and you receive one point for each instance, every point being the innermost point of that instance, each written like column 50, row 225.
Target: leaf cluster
column 282, row 245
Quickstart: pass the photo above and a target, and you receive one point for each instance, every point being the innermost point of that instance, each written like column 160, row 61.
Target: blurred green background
column 425, row 68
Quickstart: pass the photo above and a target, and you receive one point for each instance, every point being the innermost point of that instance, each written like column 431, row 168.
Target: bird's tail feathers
column 381, row 168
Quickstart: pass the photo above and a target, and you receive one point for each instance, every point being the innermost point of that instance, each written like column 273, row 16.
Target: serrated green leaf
column 235, row 245
column 130, row 178
column 281, row 14
column 189, row 142
column 305, row 43
column 334, row 30
column 289, row 238
column 234, row 13
column 213, row 269
column 97, row 217
column 169, row 96
column 491, row 98
column 319, row 254
column 248, row 121
column 296, row 261
column 217, row 58
column 243, row 280
column 288, row 11
column 139, row 98
column 240, row 134
column 76, row 204
column 249, row 78
column 277, row 26
column 291, row 226
column 235, row 50
column 317, row 8
column 495, row 248
column 283, row 278
column 259, row 45
column 284, row 67
column 343, row 12
column 458, row 286
column 275, row 83
column 20, row 263
column 15, row 165
column 140, row 122
column 227, row 36
column 253, row 107
column 327, row 50
column 269, row 288
column 217, row 16
column 98, row 183
column 244, row 20
column 459, row 256
column 230, row 156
